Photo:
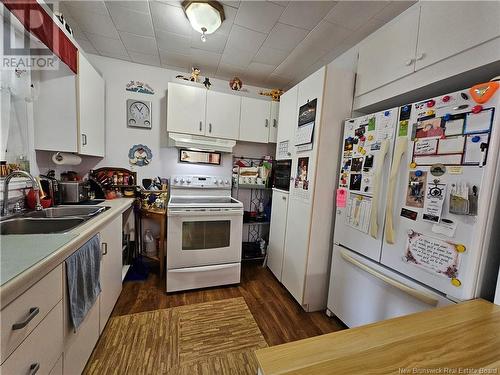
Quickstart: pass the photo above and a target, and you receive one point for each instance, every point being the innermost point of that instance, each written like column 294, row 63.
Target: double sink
column 50, row 220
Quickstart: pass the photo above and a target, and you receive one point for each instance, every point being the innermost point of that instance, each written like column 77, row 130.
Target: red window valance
column 39, row 23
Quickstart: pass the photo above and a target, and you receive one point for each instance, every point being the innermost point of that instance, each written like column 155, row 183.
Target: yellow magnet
column 430, row 112
column 370, row 137
column 363, row 151
column 360, row 149
column 359, row 197
column 456, row 282
column 413, row 165
column 460, row 248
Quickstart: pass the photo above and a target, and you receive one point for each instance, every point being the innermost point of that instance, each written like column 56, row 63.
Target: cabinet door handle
column 32, row 313
column 84, row 139
column 274, row 123
column 201, row 125
column 284, row 198
column 104, row 248
column 408, row 62
column 34, row 368
column 267, row 122
column 210, row 127
column 420, row 56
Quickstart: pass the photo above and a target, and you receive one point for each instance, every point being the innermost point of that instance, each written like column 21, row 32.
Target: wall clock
column 139, row 113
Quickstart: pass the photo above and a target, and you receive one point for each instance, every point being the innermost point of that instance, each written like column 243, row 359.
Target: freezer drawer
column 363, row 292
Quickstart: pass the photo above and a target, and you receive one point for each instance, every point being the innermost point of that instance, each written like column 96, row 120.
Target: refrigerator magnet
column 409, row 214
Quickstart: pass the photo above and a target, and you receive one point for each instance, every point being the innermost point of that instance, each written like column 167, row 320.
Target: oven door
column 201, row 237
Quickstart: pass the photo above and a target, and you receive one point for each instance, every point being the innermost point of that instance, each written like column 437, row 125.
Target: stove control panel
column 213, row 182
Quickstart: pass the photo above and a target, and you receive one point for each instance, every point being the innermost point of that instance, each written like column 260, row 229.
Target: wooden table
column 161, row 217
column 458, row 338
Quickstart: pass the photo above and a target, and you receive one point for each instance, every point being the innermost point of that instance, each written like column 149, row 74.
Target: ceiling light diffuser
column 204, row 16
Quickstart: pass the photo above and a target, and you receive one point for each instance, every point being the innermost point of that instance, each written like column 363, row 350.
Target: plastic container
column 150, row 244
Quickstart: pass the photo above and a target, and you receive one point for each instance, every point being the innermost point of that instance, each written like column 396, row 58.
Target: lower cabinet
column 78, row 346
column 111, row 269
column 40, row 351
column 277, row 232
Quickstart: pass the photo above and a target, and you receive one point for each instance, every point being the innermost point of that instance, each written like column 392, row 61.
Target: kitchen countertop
column 456, row 339
column 25, row 259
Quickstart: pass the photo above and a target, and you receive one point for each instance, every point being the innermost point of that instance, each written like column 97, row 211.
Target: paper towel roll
column 64, row 158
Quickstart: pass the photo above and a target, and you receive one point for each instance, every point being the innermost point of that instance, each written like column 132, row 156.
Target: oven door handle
column 206, row 212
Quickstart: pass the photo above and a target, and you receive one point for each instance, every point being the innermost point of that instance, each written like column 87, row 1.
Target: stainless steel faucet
column 34, row 185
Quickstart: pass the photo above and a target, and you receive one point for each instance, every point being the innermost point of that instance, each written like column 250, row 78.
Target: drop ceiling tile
column 227, row 24
column 277, row 81
column 258, row 15
column 139, row 6
column 226, row 71
column 285, row 37
column 205, row 58
column 282, row 3
column 305, row 14
column 270, row 56
column 95, row 23
column 170, row 18
column 173, row 3
column 354, row 14
column 142, row 58
column 131, row 21
column 245, row 39
column 75, row 27
column 107, row 46
column 393, row 9
column 175, row 59
column 234, row 4
column 86, row 6
column 138, row 43
column 215, row 42
column 236, row 57
column 260, row 69
column 369, row 27
column 86, row 45
column 300, row 58
column 326, row 36
column 168, row 41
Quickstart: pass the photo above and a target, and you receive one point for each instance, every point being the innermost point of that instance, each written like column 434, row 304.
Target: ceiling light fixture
column 204, row 16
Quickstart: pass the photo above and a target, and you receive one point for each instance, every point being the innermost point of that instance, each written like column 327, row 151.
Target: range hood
column 200, row 143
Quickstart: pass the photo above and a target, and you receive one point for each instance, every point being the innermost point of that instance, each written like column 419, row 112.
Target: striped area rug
column 208, row 338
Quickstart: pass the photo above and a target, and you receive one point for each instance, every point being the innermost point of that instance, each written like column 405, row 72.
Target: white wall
column 119, row 137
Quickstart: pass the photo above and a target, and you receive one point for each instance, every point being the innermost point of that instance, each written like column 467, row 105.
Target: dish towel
column 82, row 273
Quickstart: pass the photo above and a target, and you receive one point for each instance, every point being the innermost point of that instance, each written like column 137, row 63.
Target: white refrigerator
column 416, row 207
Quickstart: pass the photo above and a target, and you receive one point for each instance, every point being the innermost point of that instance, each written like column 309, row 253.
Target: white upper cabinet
column 91, row 111
column 448, row 28
column 198, row 111
column 389, row 53
column 223, row 115
column 273, row 125
column 186, row 109
column 255, row 120
column 69, row 112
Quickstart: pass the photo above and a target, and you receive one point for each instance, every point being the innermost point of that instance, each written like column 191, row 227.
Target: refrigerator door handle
column 400, row 149
column 420, row 295
column 376, row 194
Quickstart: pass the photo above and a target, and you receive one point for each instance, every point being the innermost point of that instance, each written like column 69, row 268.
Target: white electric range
column 204, row 233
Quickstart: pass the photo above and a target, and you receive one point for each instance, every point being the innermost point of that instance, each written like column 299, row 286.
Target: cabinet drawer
column 30, row 308
column 41, row 349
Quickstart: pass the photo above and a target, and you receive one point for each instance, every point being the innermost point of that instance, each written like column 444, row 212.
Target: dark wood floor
column 279, row 316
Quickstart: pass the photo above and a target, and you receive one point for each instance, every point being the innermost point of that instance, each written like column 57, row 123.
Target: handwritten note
column 425, row 146
column 432, row 254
